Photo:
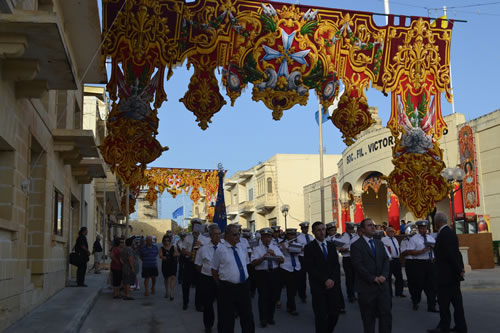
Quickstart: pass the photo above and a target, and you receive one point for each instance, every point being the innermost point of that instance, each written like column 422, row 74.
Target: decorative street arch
column 284, row 51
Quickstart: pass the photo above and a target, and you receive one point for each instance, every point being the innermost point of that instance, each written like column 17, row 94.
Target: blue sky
column 245, row 134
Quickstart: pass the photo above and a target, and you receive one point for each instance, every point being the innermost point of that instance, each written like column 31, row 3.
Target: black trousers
column 209, row 294
column 188, row 278
column 251, row 279
column 425, row 279
column 181, row 268
column 80, row 274
column 268, row 287
column 349, row 277
column 410, row 277
column 395, row 270
column 198, row 293
column 447, row 294
column 326, row 307
column 376, row 304
column 301, row 279
column 290, row 281
column 235, row 297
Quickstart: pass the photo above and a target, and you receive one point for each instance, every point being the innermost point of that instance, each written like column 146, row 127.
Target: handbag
column 76, row 259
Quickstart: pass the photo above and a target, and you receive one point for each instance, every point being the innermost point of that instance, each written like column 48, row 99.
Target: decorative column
column 358, row 207
column 393, row 209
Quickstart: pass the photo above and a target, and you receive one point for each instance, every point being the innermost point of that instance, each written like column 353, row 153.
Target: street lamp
column 452, row 175
column 284, row 210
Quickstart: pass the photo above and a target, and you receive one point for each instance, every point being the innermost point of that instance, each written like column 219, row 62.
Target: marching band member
column 348, row 238
column 290, row 268
column 266, row 257
column 304, row 238
column 421, row 248
column 391, row 243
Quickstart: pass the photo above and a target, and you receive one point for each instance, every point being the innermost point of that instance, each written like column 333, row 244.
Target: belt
column 232, row 284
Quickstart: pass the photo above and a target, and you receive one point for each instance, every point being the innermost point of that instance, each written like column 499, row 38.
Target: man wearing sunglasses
column 229, row 270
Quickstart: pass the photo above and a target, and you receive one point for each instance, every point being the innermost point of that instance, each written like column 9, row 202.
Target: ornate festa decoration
column 335, row 205
column 467, row 150
column 284, row 51
column 176, row 181
column 374, row 181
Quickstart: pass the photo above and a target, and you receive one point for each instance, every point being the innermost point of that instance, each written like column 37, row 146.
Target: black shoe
column 199, row 309
column 402, row 295
column 271, row 322
column 293, row 312
column 454, row 329
column 415, row 307
column 171, row 298
column 432, row 310
column 263, row 324
column 184, row 306
column 436, row 330
column 342, row 311
column 82, row 285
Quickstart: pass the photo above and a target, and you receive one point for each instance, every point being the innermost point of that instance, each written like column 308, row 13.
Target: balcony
column 265, row 203
column 245, row 177
column 246, row 207
column 113, row 190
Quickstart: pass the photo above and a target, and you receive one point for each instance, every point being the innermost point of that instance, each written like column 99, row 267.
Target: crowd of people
column 228, row 269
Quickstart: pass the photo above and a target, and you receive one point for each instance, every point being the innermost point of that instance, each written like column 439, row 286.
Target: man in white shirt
column 244, row 242
column 290, row 268
column 189, row 246
column 304, row 238
column 409, row 262
column 229, row 270
column 207, row 283
column 420, row 247
column 348, row 238
column 266, row 258
column 391, row 243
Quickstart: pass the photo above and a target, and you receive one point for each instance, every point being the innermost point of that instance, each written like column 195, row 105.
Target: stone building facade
column 46, row 155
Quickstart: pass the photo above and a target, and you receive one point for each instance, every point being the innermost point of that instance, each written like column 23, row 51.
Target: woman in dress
column 168, row 256
column 128, row 268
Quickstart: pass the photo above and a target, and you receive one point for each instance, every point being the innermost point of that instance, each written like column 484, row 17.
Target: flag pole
column 321, row 177
column 386, row 10
column 183, row 213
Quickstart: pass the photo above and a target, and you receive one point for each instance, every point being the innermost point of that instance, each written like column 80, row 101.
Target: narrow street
column 158, row 314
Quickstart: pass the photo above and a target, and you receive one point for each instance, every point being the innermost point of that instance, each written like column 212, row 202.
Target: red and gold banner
column 284, row 51
column 359, row 214
column 393, row 209
column 468, row 161
column 176, row 181
column 346, row 213
column 335, row 200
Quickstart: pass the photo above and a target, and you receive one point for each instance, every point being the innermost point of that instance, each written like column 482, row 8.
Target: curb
column 77, row 322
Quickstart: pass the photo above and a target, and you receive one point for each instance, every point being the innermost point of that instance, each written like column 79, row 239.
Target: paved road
column 157, row 314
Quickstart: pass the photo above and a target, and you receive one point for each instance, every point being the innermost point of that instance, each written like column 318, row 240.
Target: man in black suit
column 371, row 266
column 450, row 271
column 322, row 264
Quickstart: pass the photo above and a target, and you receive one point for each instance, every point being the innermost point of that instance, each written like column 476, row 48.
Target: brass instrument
column 195, row 248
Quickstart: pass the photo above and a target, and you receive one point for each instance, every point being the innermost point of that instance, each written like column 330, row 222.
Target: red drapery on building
column 346, row 214
column 392, row 209
column 358, row 209
column 457, row 203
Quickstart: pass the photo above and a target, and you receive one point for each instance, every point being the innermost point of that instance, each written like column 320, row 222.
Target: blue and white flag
column 178, row 212
column 324, row 117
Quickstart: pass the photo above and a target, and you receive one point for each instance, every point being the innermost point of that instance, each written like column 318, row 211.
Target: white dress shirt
column 393, row 246
column 260, row 251
column 287, row 264
column 204, row 258
column 404, row 247
column 321, row 245
column 204, row 240
column 224, row 262
column 348, row 239
column 244, row 244
column 302, row 239
column 417, row 243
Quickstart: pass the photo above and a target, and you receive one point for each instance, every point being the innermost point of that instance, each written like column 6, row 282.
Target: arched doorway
column 374, row 198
